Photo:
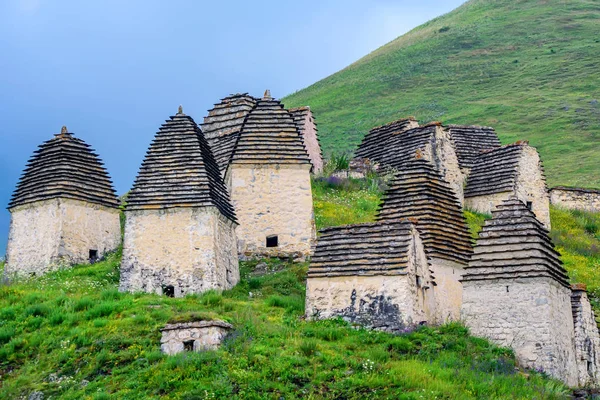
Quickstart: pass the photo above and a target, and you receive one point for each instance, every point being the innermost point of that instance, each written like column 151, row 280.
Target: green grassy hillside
column 72, row 335
column 529, row 68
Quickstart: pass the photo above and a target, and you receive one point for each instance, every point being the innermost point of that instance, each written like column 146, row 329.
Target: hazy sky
column 112, row 71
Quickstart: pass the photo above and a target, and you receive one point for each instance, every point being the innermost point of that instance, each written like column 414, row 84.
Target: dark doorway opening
column 188, row 345
column 93, row 256
column 169, row 290
column 529, row 205
column 272, row 241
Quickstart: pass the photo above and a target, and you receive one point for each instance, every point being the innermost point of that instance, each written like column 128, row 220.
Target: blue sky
column 112, row 71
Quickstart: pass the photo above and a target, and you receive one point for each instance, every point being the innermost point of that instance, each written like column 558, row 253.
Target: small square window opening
column 272, row 241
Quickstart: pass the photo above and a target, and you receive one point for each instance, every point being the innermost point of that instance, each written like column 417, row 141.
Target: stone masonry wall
column 587, row 340
column 448, row 290
column 577, row 199
column 191, row 249
column 442, row 154
column 485, row 204
column 51, row 234
column 531, row 316
column 389, row 303
column 531, row 185
column 272, row 200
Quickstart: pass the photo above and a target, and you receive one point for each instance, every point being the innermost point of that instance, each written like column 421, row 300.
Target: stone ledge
column 196, row 324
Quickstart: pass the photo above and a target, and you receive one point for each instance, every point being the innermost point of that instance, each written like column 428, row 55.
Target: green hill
column 528, row 68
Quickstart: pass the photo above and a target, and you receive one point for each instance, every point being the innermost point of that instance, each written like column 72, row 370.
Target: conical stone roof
column 270, row 136
column 514, row 245
column 179, row 170
column 65, row 167
column 470, row 140
column 365, row 249
column 223, row 125
column 418, row 192
column 495, row 171
column 374, row 145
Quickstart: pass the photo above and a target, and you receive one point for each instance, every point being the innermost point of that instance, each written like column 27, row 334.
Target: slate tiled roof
column 365, row 250
column 470, row 140
column 514, row 245
column 223, row 124
column 269, row 135
column 179, row 170
column 418, row 192
column 299, row 115
column 494, row 171
column 374, row 144
column 65, row 167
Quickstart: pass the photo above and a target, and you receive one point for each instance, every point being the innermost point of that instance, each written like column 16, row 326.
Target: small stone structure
column 267, row 168
column 372, row 274
column 511, row 170
column 587, row 338
column 180, row 226
column 470, row 141
column 193, row 336
column 420, row 193
column 64, row 210
column 575, row 198
column 394, row 144
column 305, row 121
column 516, row 292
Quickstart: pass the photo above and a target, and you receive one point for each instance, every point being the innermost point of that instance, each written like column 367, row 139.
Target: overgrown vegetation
column 73, row 335
column 527, row 68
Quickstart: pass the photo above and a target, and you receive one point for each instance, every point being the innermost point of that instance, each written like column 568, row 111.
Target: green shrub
column 308, row 348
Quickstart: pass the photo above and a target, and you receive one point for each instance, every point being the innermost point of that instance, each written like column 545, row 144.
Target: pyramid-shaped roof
column 65, row 167
column 495, row 171
column 374, row 144
column 179, row 170
column 223, row 124
column 514, row 245
column 270, row 136
column 299, row 115
column 366, row 249
column 418, row 192
column 470, row 140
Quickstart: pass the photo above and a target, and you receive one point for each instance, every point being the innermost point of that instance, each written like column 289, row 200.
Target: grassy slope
column 528, row 68
column 72, row 335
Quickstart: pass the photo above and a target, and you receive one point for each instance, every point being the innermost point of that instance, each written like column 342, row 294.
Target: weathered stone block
column 193, row 336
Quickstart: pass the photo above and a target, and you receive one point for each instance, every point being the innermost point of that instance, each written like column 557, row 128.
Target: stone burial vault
column 180, row 224
column 193, row 336
column 264, row 160
column 64, row 210
column 401, row 271
column 511, row 170
column 516, row 293
column 394, row 144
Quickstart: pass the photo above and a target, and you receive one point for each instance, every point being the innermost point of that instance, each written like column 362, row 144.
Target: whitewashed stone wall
column 531, row 185
column 51, row 234
column 531, row 316
column 442, row 154
column 448, row 290
column 205, row 335
column 587, row 340
column 273, row 200
column 576, row 199
column 391, row 303
column 191, row 249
